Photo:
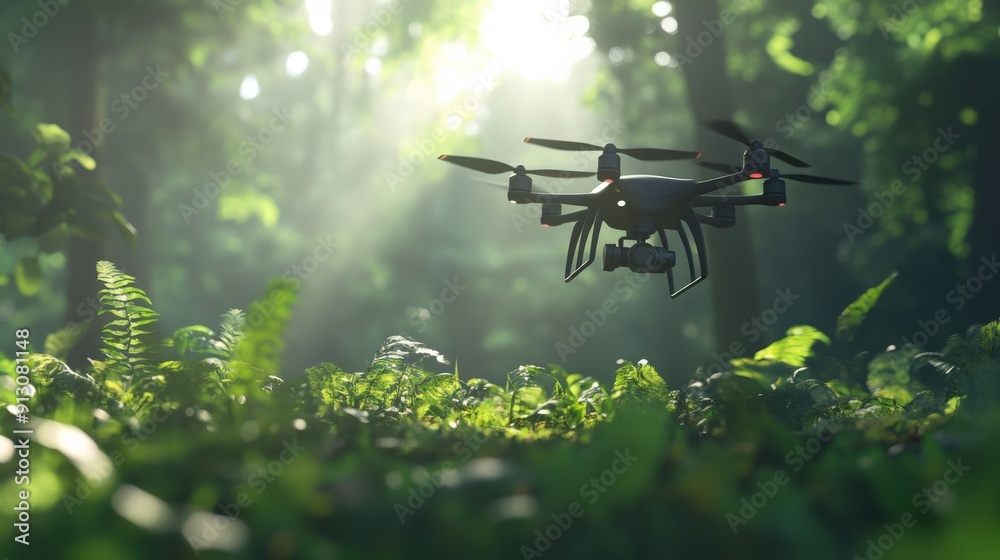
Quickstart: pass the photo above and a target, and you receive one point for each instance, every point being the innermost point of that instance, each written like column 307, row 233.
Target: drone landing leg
column 687, row 250
column 578, row 240
column 691, row 219
column 670, row 271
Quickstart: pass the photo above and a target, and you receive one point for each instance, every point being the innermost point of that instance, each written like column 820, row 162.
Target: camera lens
column 643, row 257
column 612, row 257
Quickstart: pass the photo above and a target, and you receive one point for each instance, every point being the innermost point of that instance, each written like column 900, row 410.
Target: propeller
column 816, row 179
column 494, row 167
column 721, row 167
column 644, row 154
column 732, row 130
column 504, row 187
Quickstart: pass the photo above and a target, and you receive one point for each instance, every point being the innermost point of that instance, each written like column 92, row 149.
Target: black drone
column 644, row 205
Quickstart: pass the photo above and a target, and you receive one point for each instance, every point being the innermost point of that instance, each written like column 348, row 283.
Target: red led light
column 781, row 204
column 756, row 175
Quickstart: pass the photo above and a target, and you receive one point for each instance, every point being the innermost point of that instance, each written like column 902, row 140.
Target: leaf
column 52, row 138
column 795, row 348
column 640, row 385
column 59, row 343
column 194, row 337
column 50, row 370
column 83, row 159
column 259, row 350
column 127, row 346
column 852, row 317
column 28, row 275
column 241, row 206
column 127, row 230
column 15, row 175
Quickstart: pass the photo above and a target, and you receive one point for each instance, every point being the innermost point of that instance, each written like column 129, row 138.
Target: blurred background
column 253, row 139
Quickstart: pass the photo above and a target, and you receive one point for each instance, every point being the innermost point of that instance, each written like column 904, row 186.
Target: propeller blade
column 504, row 187
column 658, row 154
column 817, row 180
column 728, row 129
column 563, row 145
column 732, row 130
column 644, row 154
column 478, row 164
column 722, row 167
column 787, row 158
column 558, row 173
column 494, row 167
column 487, row 183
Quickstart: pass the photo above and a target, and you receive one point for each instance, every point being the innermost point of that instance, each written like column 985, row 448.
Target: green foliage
column 255, row 344
column 59, row 343
column 852, row 317
column 42, row 197
column 640, row 386
column 127, row 336
column 28, row 276
column 182, row 443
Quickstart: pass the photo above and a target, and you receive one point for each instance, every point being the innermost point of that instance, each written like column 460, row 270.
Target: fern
column 126, row 339
column 641, row 386
column 855, row 313
column 231, row 331
column 255, row 353
column 59, row 343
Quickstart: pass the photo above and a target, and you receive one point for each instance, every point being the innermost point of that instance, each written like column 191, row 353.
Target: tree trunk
column 85, row 102
column 731, row 261
column 130, row 180
column 984, row 235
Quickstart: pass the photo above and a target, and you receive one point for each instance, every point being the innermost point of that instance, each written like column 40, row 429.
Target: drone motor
column 726, row 216
column 609, row 164
column 549, row 212
column 774, row 191
column 518, row 186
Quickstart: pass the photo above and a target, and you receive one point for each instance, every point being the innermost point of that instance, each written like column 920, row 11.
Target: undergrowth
column 177, row 421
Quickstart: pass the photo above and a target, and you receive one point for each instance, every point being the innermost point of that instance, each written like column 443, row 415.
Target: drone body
column 645, row 205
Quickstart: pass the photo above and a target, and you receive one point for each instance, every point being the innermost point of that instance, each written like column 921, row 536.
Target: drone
column 646, row 205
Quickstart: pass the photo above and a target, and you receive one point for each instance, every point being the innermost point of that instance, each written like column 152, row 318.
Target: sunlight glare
column 320, row 16
column 662, row 9
column 296, row 63
column 538, row 40
column 669, row 25
column 249, row 89
column 458, row 71
column 663, row 58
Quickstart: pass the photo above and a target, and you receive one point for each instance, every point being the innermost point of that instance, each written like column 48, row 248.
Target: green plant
column 181, row 421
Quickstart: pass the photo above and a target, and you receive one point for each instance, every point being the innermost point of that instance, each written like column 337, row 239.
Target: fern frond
column 231, row 331
column 126, row 338
column 59, row 343
column 256, row 350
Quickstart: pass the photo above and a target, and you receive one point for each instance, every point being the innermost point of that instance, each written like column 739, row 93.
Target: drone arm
column 565, row 218
column 586, row 199
column 740, row 200
column 713, row 221
column 709, row 185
